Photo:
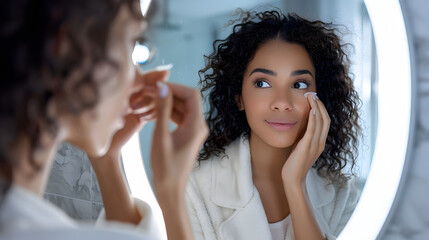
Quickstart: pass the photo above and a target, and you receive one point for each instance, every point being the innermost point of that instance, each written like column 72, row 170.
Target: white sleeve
column 147, row 224
column 333, row 218
column 348, row 197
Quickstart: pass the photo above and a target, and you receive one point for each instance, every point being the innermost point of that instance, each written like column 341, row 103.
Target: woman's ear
column 239, row 102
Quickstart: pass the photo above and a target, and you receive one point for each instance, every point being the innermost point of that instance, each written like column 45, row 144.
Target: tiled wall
column 411, row 218
column 73, row 185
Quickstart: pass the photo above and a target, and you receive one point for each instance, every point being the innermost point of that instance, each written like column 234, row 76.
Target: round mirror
column 185, row 30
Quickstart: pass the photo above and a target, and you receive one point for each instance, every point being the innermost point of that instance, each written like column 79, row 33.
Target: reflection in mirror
column 185, row 31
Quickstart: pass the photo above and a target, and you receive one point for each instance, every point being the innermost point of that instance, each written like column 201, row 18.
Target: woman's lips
column 281, row 125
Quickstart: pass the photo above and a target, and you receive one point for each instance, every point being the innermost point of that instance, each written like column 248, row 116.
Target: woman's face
column 94, row 129
column 273, row 90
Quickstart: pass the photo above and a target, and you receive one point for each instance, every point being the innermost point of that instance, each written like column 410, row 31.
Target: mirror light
column 141, row 54
column 144, row 6
column 138, row 181
column 394, row 105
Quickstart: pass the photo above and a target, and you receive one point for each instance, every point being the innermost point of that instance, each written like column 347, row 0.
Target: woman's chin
column 281, row 143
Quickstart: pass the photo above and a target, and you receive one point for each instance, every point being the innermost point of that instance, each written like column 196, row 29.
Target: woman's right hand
column 174, row 152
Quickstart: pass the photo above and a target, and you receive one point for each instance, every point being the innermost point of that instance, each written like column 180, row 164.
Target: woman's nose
column 282, row 101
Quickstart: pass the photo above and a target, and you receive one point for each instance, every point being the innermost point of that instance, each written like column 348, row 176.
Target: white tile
column 75, row 208
column 71, row 174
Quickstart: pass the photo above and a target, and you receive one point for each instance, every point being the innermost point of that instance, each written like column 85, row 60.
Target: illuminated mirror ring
column 395, row 121
column 394, row 133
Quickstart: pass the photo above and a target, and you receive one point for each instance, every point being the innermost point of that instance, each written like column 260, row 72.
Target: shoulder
column 323, row 191
column 348, row 191
column 228, row 162
column 333, row 201
column 212, row 178
column 75, row 233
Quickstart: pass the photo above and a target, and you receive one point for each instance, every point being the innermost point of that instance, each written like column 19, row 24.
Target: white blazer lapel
column 233, row 188
column 248, row 223
column 232, row 184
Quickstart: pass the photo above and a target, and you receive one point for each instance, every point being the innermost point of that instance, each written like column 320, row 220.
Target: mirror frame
column 396, row 93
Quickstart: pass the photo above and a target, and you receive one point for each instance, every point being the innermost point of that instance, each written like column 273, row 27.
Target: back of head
column 48, row 48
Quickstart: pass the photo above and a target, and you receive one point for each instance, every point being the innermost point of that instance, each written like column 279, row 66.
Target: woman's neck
column 267, row 161
column 33, row 165
column 267, row 164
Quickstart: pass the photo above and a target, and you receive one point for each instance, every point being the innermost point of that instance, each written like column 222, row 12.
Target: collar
column 24, row 210
column 232, row 184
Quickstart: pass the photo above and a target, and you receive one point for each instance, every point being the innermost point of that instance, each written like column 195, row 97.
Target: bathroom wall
column 411, row 217
column 73, row 185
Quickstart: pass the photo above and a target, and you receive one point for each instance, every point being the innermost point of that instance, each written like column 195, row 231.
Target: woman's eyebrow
column 264, row 70
column 300, row 72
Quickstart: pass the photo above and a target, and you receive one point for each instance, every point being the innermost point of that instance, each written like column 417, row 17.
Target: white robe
column 224, row 204
column 24, row 215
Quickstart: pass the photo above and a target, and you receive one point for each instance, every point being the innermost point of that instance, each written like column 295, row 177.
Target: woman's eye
column 262, row 84
column 300, row 85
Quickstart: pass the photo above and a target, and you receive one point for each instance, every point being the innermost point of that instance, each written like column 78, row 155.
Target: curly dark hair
column 33, row 72
column 222, row 78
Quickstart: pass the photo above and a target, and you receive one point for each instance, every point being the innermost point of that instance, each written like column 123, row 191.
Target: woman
column 272, row 166
column 68, row 77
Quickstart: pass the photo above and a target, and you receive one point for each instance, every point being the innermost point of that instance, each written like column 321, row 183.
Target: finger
column 326, row 123
column 191, row 125
column 144, row 93
column 179, row 111
column 147, row 116
column 191, row 102
column 311, row 124
column 143, row 100
column 178, row 104
column 149, row 78
column 313, row 99
column 164, row 106
column 177, row 117
column 132, row 124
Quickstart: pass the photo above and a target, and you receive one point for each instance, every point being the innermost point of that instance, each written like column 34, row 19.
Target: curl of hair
column 33, row 72
column 221, row 81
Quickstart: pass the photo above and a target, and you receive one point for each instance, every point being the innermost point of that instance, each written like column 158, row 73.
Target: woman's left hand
column 118, row 203
column 141, row 110
column 311, row 145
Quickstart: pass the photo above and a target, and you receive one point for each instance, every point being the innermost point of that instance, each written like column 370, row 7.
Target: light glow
column 144, row 6
column 140, row 54
column 138, row 181
column 394, row 114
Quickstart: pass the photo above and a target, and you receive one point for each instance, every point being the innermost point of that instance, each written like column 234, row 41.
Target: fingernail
column 314, row 111
column 163, row 89
column 313, row 94
column 306, row 94
column 164, row 67
column 315, row 97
